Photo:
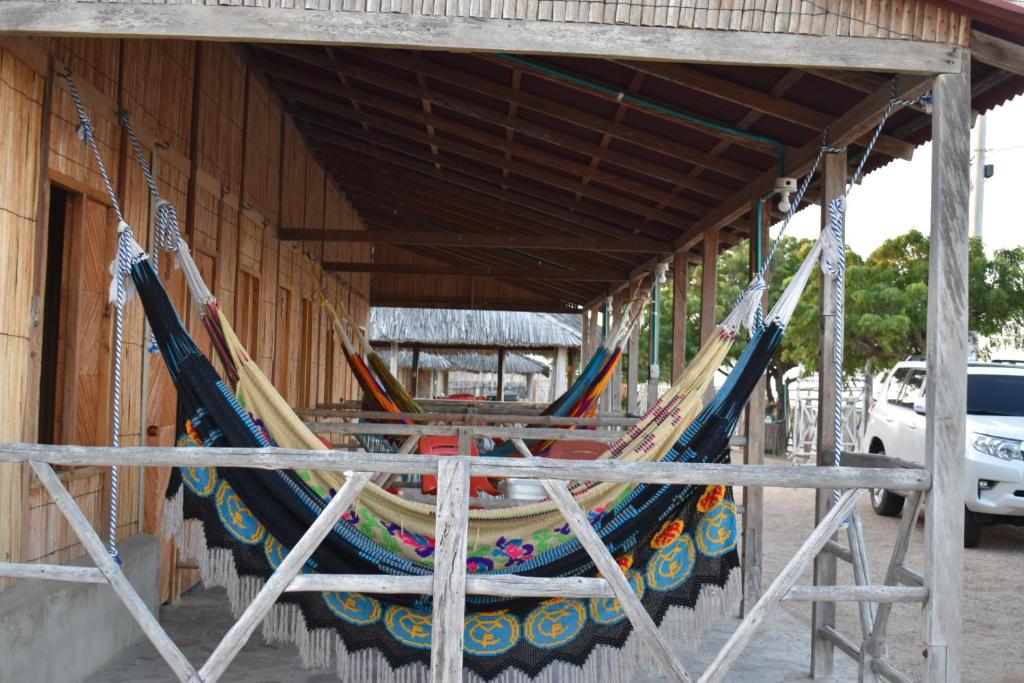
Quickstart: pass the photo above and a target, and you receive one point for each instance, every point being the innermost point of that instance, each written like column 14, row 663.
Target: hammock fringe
column 285, row 625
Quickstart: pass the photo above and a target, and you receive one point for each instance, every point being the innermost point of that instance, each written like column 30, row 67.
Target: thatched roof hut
column 435, row 327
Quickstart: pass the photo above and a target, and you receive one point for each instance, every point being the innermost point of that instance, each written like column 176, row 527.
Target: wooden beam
column 709, row 286
column 757, row 100
column 462, row 239
column 460, row 174
column 544, row 105
column 782, row 476
column 680, row 294
column 372, row 29
column 508, row 149
column 997, row 52
column 449, row 603
column 850, row 126
column 507, row 121
column 824, row 614
column 448, row 271
column 946, row 391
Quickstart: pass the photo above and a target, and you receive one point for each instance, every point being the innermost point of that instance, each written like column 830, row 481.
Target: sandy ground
column 993, row 587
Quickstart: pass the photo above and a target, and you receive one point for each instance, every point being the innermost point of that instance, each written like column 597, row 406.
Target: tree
column 886, row 305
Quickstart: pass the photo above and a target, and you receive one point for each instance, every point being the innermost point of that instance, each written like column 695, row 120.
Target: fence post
column 449, row 613
column 823, row 614
column 946, row 393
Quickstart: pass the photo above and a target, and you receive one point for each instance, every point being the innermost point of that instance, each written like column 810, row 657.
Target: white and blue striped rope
column 120, row 271
column 834, row 262
column 167, row 234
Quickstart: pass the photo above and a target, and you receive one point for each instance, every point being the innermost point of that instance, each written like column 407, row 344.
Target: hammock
column 676, row 544
column 382, row 391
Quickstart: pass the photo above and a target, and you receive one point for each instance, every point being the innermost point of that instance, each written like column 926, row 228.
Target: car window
column 911, row 389
column 995, row 395
column 895, row 384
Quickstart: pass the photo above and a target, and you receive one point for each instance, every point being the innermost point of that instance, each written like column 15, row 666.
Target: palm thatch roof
column 428, row 361
column 515, row 363
column 468, row 328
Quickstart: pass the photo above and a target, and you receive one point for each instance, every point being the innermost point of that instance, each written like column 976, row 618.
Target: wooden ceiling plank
column 762, row 102
column 485, row 271
column 481, row 85
column 462, row 239
column 510, row 123
column 634, row 187
column 355, row 151
column 596, row 211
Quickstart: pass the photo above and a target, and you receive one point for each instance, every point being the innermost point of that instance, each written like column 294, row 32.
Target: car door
column 911, row 440
column 885, row 425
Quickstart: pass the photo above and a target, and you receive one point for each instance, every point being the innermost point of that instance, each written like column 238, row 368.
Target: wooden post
column 680, row 291
column 655, row 370
column 415, row 371
column 709, row 285
column 452, row 528
column 823, row 614
column 501, row 375
column 560, row 373
column 753, row 452
column 393, row 359
column 585, row 335
column 633, row 373
column 946, row 392
column 614, row 390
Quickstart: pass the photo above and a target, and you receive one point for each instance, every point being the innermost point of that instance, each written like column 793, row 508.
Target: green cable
column 650, row 104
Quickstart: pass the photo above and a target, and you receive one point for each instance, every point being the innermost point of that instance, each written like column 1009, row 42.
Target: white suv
column 994, row 481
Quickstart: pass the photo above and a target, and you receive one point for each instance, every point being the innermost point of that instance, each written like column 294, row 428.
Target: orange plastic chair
column 449, row 445
column 577, row 449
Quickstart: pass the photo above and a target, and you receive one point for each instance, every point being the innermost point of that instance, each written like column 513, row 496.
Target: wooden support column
column 501, row 375
column 614, row 390
column 823, row 614
column 680, row 291
column 633, row 373
column 946, row 392
column 415, row 371
column 393, row 358
column 655, row 370
column 560, row 373
column 709, row 285
column 753, row 452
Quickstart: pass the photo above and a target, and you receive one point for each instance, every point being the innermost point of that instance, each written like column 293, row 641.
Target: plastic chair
column 449, row 445
column 577, row 449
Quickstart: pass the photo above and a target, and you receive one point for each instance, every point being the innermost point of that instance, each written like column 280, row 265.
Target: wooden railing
column 451, row 532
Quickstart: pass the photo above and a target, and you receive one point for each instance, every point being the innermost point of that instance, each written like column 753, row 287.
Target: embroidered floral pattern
column 422, row 545
column 513, row 550
column 713, row 495
column 668, row 533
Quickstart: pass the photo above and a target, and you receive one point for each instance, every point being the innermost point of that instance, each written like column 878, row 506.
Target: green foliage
column 886, row 304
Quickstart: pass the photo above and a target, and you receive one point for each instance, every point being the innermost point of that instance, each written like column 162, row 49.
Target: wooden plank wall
column 233, row 165
column 891, row 19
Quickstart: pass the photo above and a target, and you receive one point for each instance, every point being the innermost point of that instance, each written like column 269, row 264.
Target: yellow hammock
column 663, row 423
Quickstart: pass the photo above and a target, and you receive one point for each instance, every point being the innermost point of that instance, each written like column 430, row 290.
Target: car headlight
column 1005, row 449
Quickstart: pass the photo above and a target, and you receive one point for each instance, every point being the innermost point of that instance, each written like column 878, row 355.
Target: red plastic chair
column 449, row 445
column 577, row 449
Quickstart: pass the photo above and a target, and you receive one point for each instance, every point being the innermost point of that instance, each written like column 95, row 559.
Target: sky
column 896, row 198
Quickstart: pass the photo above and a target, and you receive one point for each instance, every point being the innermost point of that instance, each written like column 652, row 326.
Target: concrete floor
column 779, row 652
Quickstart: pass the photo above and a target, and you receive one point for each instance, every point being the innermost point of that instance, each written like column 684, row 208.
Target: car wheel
column 885, row 503
column 972, row 529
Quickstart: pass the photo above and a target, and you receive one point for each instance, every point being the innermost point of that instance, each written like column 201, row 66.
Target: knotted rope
column 167, row 234
column 833, row 261
column 128, row 252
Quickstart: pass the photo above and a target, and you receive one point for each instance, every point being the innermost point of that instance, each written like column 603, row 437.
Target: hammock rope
column 120, row 270
column 834, row 263
column 627, row 517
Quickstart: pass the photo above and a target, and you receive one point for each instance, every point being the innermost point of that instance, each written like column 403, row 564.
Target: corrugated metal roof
column 434, row 326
